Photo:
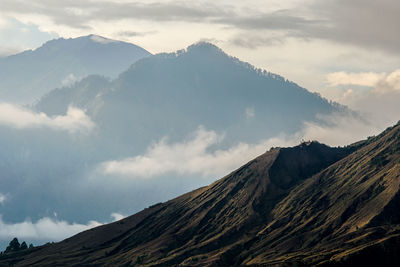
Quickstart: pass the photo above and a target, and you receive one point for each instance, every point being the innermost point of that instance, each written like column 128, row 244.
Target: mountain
column 173, row 94
column 27, row 76
column 306, row 205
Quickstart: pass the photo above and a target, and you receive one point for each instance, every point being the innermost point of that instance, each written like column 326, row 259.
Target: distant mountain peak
column 101, row 39
column 202, row 49
column 204, row 46
column 48, row 66
column 83, row 40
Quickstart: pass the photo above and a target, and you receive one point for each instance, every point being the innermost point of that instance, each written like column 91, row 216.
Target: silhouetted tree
column 23, row 246
column 13, row 246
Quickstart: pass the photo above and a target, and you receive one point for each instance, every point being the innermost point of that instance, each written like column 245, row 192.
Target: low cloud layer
column 46, row 229
column 18, row 117
column 193, row 156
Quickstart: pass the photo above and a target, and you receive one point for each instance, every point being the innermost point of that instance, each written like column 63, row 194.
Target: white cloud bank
column 18, row 117
column 380, row 82
column 47, row 229
column 189, row 157
column 363, row 78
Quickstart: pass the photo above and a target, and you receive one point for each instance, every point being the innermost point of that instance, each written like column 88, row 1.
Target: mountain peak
column 82, row 40
column 197, row 50
column 50, row 65
column 203, row 46
column 100, row 39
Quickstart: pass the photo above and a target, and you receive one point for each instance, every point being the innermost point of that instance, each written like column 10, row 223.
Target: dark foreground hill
column 309, row 204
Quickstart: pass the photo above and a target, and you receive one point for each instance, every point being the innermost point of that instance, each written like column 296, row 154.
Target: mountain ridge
column 62, row 61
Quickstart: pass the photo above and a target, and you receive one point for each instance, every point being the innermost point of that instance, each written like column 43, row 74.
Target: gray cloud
column 77, row 14
column 254, row 41
column 366, row 23
column 135, row 33
column 278, row 20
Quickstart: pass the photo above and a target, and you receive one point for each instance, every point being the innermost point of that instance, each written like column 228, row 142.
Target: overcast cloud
column 365, row 23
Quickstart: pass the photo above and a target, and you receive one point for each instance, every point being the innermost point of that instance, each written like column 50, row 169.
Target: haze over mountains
column 172, row 94
column 305, row 205
column 166, row 125
column 27, row 76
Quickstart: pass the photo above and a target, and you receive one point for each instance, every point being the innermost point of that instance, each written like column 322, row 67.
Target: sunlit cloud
column 363, row 79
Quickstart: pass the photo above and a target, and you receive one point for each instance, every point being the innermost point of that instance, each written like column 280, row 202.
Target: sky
column 348, row 51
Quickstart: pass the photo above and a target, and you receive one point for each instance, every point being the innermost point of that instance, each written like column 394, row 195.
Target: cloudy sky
column 314, row 43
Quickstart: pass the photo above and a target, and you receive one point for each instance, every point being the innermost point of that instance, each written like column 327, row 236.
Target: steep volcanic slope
column 211, row 225
column 27, row 76
column 345, row 214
